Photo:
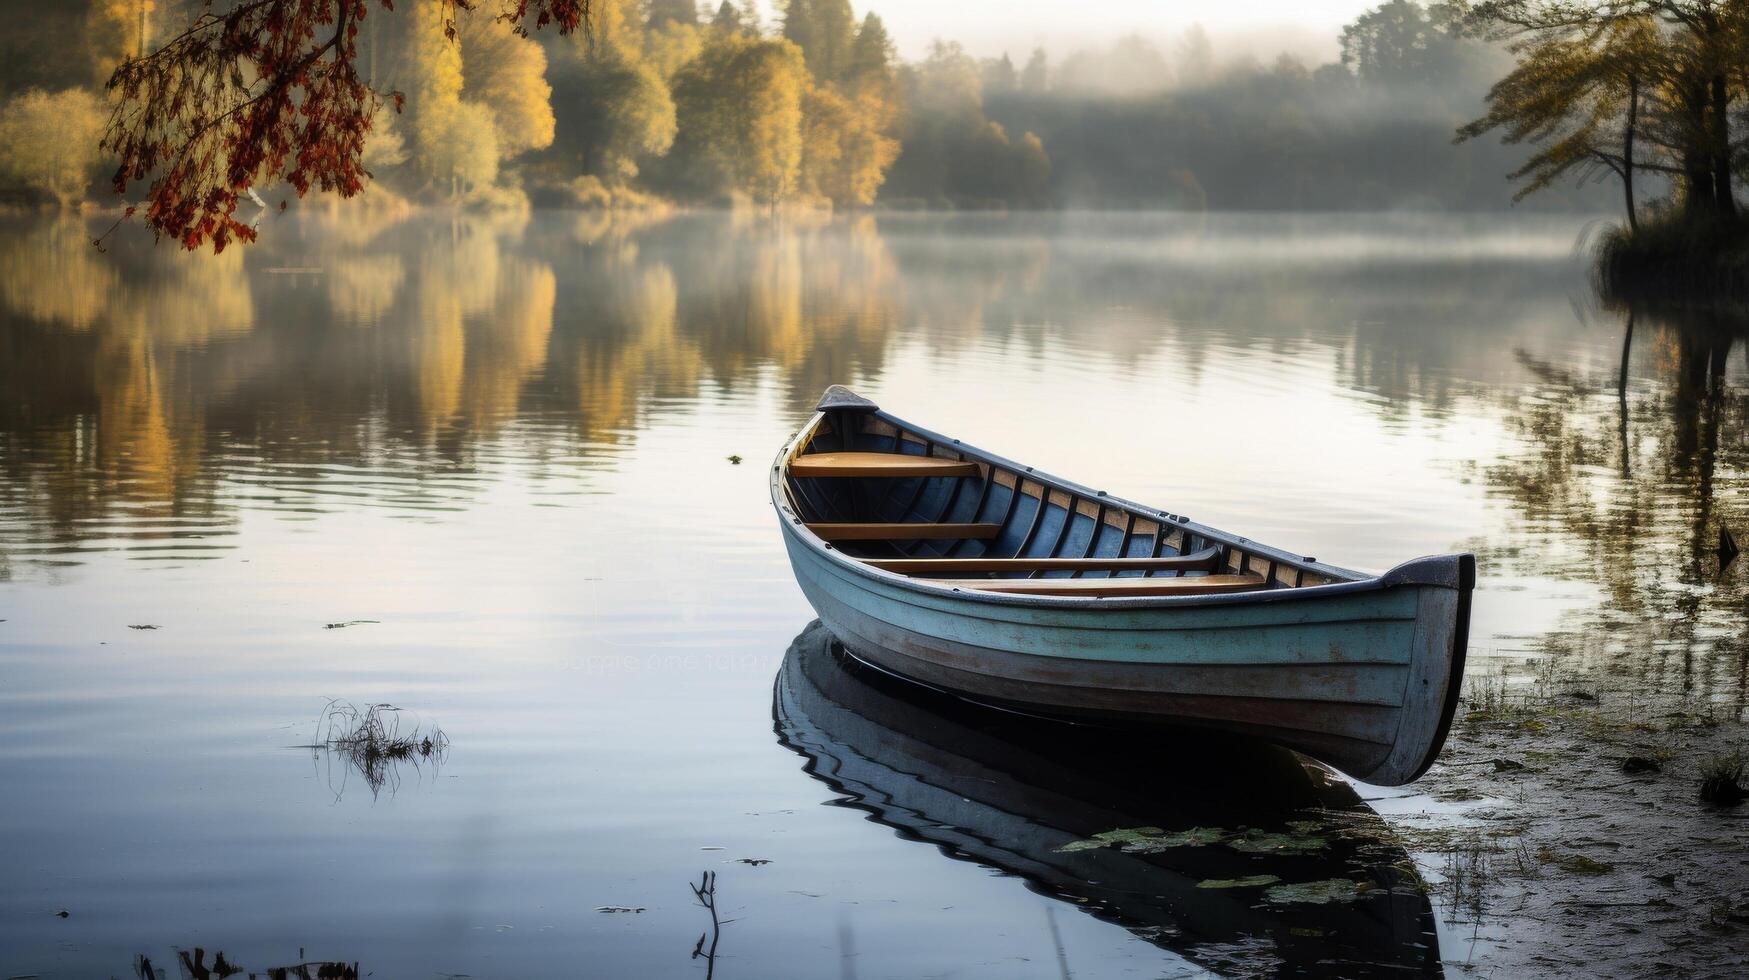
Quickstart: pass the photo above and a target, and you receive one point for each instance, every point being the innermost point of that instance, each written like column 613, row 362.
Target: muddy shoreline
column 1562, row 832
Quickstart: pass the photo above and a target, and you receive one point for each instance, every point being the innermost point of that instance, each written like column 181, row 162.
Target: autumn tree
column 48, row 142
column 262, row 90
column 466, row 154
column 672, row 12
column 739, row 110
column 1666, row 75
column 116, row 30
column 845, row 148
column 435, row 96
column 506, row 73
column 668, row 48
column 1582, row 103
column 618, row 108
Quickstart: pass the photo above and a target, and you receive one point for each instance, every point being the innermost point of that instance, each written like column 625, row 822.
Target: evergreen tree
column 727, row 19
column 672, row 12
column 870, row 63
column 999, row 74
column 1035, row 76
column 834, row 36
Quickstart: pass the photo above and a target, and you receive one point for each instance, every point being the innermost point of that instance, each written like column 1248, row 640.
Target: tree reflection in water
column 1626, row 486
column 192, row 965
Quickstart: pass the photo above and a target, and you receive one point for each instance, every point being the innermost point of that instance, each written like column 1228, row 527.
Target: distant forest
column 667, row 101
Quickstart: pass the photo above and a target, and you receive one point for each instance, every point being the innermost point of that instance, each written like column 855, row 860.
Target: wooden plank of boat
column 906, row 531
column 1358, row 670
column 878, row 465
column 1197, row 585
column 1200, row 561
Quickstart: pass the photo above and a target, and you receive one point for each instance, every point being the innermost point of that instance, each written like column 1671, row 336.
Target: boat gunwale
column 1350, row 581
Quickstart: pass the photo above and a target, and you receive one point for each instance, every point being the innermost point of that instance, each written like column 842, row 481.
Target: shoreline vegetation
column 661, row 103
column 1646, row 93
column 665, row 105
column 1675, row 260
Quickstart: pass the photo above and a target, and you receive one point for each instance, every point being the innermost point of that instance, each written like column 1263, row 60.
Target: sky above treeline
column 989, row 27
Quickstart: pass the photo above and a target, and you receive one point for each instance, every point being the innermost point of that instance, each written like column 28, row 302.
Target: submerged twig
column 706, row 894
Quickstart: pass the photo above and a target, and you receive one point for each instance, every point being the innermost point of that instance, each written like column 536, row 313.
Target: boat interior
column 901, row 502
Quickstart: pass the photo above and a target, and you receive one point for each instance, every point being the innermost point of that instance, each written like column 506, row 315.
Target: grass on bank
column 1674, row 257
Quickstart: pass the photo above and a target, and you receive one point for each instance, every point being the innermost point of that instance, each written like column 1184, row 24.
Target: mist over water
column 493, row 454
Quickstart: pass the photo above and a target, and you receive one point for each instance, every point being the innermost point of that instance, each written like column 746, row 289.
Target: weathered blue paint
column 1360, row 671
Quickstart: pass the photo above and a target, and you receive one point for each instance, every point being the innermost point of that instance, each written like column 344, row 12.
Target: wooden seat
column 1200, row 561
column 1198, row 585
column 908, row 531
column 879, row 465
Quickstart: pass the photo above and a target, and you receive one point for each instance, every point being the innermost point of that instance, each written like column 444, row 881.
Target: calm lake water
column 480, row 469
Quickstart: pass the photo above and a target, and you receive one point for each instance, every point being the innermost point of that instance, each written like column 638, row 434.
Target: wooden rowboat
column 971, row 573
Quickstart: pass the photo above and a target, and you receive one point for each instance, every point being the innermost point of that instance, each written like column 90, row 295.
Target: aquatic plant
column 1721, row 780
column 372, row 742
column 193, row 964
column 1313, row 892
column 1297, row 839
column 1252, row 881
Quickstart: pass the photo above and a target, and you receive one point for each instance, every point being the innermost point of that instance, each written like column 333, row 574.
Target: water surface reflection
column 1249, row 861
column 501, row 445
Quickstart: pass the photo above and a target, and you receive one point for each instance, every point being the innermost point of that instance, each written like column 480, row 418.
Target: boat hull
column 1361, row 675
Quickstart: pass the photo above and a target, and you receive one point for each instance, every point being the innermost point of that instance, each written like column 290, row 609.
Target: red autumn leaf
column 185, row 118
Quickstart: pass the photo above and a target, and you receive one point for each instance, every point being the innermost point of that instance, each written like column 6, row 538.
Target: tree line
column 658, row 98
column 669, row 100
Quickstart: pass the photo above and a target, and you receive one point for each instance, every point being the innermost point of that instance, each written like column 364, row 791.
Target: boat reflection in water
column 1287, row 872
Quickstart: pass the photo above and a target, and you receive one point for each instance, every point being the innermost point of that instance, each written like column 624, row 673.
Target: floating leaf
column 1254, row 881
column 1263, row 842
column 1147, row 840
column 1313, row 892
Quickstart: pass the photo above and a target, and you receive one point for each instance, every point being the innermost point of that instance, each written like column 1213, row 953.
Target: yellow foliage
column 506, row 73
column 739, row 106
column 117, row 30
column 670, row 47
column 466, row 155
column 53, row 275
column 638, row 120
column 436, row 92
column 48, row 142
column 617, row 25
column 845, row 154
